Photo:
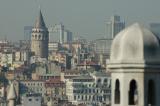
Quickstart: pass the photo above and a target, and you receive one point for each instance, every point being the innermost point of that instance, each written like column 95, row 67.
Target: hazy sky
column 83, row 17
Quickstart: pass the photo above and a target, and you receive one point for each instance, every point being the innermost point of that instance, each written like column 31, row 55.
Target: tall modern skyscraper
column 27, row 33
column 67, row 37
column 64, row 35
column 39, row 39
column 114, row 26
column 61, row 33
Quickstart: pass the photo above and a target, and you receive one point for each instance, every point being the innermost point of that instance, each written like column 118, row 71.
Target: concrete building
column 21, row 55
column 6, row 58
column 114, row 26
column 89, row 90
column 39, row 39
column 135, row 68
column 27, row 32
column 55, row 87
column 67, row 36
column 71, row 74
column 102, row 46
column 102, row 49
column 53, row 46
column 33, row 86
column 32, row 99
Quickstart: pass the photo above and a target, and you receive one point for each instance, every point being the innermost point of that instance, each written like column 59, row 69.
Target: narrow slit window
column 117, row 92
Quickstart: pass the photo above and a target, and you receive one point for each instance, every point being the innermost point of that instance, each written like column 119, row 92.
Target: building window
column 117, row 92
column 89, row 90
column 30, row 99
column 93, row 98
column 86, row 97
column 35, row 36
column 82, row 91
column 105, row 97
column 43, row 37
column 93, row 90
column 133, row 93
column 89, row 97
column 82, row 97
column 151, row 93
column 105, row 80
column 39, row 37
column 97, row 98
column 99, row 81
column 97, row 90
column 85, row 90
column 74, row 97
column 100, row 98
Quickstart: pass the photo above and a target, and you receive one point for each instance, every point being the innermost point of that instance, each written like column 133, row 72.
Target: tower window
column 35, row 36
column 99, row 81
column 93, row 98
column 39, row 37
column 43, row 37
column 133, row 93
column 105, row 80
column 117, row 92
column 82, row 97
column 151, row 92
column 74, row 97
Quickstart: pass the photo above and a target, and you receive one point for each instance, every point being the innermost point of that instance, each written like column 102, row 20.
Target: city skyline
column 84, row 18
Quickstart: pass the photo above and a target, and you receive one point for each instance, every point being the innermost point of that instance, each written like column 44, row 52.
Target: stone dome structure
column 135, row 46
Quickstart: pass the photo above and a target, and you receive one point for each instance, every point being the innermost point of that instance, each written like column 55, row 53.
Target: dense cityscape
column 74, row 71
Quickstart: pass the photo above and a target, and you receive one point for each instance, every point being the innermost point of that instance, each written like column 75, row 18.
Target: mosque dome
column 135, row 45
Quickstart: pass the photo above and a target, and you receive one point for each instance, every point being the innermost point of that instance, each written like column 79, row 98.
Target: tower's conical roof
column 11, row 93
column 39, row 21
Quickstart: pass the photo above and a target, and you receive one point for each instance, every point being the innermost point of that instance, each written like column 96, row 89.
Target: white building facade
column 88, row 90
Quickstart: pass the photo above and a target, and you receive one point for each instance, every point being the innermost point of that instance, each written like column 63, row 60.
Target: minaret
column 11, row 96
column 39, row 38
